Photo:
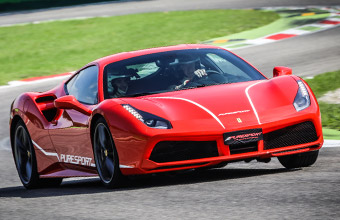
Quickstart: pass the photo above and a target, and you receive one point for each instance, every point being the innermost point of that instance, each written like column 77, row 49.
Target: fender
column 29, row 107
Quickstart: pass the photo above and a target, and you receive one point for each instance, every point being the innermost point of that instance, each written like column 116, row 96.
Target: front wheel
column 106, row 156
column 299, row 160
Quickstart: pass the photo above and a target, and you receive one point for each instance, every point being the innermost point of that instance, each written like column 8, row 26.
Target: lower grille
column 293, row 135
column 287, row 151
column 243, row 148
column 168, row 151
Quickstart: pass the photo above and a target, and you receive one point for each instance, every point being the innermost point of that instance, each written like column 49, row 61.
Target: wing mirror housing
column 70, row 102
column 282, row 71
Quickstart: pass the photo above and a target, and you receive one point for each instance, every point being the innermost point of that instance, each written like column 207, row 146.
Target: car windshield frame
column 163, row 72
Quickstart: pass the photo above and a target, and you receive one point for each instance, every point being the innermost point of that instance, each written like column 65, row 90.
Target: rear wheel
column 106, row 156
column 299, row 160
column 25, row 160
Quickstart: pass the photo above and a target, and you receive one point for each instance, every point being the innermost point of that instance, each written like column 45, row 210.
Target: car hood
column 227, row 107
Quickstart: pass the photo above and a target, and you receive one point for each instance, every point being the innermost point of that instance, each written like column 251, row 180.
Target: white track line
column 331, row 143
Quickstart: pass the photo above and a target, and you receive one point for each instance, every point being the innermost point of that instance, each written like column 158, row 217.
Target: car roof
column 125, row 55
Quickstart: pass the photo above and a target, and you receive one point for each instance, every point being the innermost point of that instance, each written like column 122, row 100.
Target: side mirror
column 70, row 102
column 281, row 71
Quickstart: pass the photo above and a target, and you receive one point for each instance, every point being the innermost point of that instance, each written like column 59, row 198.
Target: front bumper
column 298, row 138
column 280, row 139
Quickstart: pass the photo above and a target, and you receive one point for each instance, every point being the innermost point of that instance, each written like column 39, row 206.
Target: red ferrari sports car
column 163, row 109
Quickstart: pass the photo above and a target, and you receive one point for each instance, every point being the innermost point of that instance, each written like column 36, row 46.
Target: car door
column 71, row 133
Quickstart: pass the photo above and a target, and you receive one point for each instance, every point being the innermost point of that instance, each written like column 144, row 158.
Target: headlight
column 302, row 100
column 148, row 119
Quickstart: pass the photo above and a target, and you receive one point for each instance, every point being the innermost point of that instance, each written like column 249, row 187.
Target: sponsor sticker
column 243, row 137
column 85, row 161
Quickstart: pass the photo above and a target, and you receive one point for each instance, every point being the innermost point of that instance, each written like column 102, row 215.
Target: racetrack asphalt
column 238, row 191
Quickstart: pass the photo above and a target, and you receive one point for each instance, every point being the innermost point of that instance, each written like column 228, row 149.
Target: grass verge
column 55, row 47
column 324, row 82
column 330, row 134
column 330, row 115
column 320, row 84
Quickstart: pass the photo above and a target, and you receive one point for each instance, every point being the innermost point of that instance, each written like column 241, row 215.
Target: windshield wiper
column 141, row 94
column 198, row 86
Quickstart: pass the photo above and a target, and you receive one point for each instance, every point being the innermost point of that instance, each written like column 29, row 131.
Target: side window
column 84, row 86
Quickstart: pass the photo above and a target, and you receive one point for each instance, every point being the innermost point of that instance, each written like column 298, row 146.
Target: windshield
column 175, row 70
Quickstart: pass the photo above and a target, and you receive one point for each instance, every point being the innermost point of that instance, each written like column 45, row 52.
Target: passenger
column 188, row 67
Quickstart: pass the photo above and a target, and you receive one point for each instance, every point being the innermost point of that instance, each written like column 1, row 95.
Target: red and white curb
column 322, row 25
column 36, row 80
column 330, row 22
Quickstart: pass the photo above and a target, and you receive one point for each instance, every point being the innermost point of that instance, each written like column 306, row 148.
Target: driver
column 120, row 83
column 187, row 65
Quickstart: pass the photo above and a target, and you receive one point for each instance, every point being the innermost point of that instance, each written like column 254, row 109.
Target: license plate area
column 243, row 137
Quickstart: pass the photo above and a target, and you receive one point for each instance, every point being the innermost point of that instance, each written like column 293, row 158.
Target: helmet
column 187, row 59
column 115, row 77
column 120, row 72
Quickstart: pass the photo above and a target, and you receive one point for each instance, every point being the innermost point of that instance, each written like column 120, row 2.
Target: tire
column 105, row 155
column 299, row 160
column 25, row 160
